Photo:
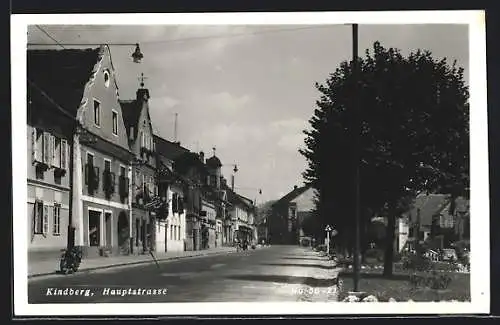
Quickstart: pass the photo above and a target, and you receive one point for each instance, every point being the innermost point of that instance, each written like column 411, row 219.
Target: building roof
column 62, row 74
column 428, row 205
column 131, row 111
column 168, row 149
column 213, row 162
column 291, row 195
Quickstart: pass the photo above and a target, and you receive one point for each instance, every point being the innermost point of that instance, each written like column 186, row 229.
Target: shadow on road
column 302, row 265
column 303, row 258
column 286, row 279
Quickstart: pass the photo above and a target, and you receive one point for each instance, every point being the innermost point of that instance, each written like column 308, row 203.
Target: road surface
column 278, row 273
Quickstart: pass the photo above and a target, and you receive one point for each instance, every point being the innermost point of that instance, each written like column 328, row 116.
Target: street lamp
column 357, row 248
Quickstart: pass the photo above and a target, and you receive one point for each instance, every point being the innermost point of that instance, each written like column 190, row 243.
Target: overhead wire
column 187, row 39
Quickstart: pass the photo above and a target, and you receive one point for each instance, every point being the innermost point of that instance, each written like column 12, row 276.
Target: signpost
column 328, row 229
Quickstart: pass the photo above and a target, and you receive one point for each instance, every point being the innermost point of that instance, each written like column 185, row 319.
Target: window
column 107, row 165
column 174, row 202
column 178, row 232
column 56, row 224
column 122, row 171
column 106, row 78
column 171, row 232
column 142, row 139
column 41, row 222
column 115, row 123
column 97, row 113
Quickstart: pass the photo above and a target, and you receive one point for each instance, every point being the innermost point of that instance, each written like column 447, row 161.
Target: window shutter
column 46, row 148
column 53, row 150
column 87, row 166
column 34, row 147
column 96, row 175
column 64, row 155
column 45, row 229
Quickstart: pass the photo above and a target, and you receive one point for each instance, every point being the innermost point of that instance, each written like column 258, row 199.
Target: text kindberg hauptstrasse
column 106, row 292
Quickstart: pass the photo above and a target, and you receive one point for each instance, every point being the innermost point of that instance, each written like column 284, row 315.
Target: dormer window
column 106, row 78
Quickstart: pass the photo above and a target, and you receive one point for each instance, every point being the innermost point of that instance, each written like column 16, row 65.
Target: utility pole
column 175, row 128
column 358, row 155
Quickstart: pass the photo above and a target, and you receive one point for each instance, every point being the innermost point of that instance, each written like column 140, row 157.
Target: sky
column 246, row 90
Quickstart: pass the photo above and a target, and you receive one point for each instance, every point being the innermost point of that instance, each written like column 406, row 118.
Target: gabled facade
column 288, row 213
column 83, row 82
column 144, row 184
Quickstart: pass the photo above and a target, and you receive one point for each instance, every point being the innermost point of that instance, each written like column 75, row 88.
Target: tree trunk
column 389, row 245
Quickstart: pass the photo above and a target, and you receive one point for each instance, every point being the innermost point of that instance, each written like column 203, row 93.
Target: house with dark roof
column 139, row 130
column 83, row 83
column 432, row 218
column 171, row 233
column 288, row 214
column 50, row 132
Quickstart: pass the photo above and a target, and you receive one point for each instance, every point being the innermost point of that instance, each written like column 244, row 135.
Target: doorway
column 108, row 226
column 123, row 232
column 94, row 228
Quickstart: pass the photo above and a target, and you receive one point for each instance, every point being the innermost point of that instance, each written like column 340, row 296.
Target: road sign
column 328, row 228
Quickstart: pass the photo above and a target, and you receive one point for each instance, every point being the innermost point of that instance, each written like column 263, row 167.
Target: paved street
column 278, row 273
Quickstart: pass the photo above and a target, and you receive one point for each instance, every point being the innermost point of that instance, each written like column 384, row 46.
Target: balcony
column 108, row 183
column 91, row 178
column 123, row 186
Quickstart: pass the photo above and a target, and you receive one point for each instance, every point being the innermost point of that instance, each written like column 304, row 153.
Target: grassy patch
column 400, row 288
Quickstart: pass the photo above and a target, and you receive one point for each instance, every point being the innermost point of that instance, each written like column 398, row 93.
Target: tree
column 403, row 121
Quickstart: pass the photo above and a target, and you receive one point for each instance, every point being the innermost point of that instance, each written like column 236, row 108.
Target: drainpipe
column 71, row 227
column 75, row 204
column 130, row 222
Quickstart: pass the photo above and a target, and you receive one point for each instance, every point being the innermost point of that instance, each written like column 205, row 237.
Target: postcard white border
column 480, row 266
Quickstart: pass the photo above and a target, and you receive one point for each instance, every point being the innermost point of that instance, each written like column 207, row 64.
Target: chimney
column 295, row 187
column 232, row 183
column 202, row 156
column 142, row 95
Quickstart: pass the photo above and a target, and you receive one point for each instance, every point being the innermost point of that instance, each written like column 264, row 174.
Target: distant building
column 429, row 219
column 288, row 214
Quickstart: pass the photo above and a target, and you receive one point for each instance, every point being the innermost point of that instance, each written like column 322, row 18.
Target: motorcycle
column 70, row 260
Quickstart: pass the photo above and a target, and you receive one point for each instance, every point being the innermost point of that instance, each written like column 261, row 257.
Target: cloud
column 292, row 124
column 291, row 142
column 289, row 133
column 228, row 102
column 168, row 102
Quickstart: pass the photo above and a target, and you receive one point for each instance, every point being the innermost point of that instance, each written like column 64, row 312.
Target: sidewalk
column 50, row 267
column 320, row 285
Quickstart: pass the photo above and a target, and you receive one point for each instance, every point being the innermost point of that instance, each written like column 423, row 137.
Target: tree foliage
column 403, row 120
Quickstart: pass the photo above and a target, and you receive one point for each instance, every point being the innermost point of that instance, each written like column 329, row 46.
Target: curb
column 104, row 267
